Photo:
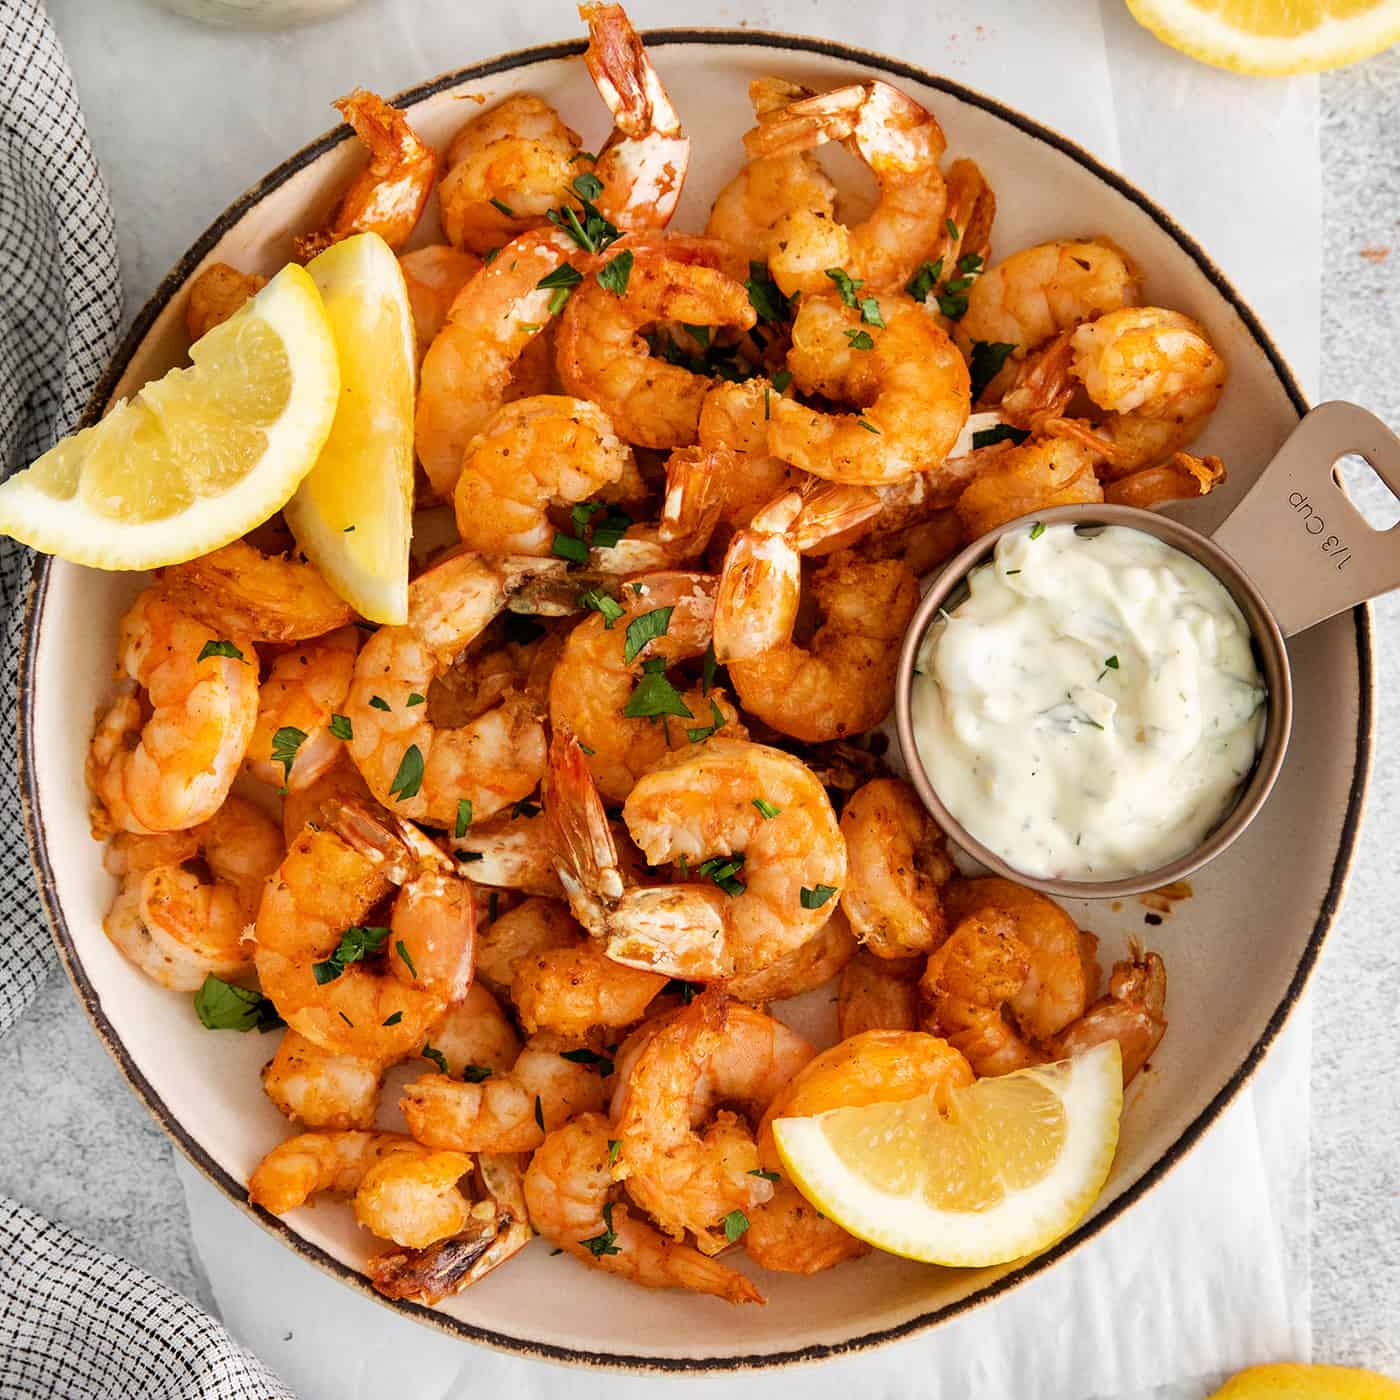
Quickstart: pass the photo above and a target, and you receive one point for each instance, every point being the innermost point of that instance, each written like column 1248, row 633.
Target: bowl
column 1238, row 951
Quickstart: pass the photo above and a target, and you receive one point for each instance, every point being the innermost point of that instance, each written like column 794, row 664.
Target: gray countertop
column 81, row 1148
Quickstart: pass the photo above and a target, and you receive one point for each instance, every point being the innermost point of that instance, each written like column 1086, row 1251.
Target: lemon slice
column 1015, row 1164
column 353, row 513
column 1272, row 36
column 1297, row 1382
column 197, row 458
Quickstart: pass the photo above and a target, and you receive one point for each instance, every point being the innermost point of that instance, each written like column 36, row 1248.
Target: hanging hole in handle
column 1375, row 502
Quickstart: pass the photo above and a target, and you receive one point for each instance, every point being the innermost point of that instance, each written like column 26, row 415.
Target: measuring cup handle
column 1309, row 550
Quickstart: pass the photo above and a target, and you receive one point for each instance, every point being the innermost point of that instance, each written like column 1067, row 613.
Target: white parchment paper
column 1210, row 1271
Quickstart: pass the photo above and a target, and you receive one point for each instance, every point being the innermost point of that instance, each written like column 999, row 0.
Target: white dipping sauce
column 1091, row 710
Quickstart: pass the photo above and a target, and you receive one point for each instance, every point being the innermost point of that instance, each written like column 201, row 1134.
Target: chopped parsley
column 409, row 778
column 401, row 948
column 845, row 284
column 605, row 1243
column 1038, row 529
column 765, row 296
column 356, row 944
column 285, row 743
column 702, row 732
column 724, row 871
column 341, row 727
column 643, row 629
column 870, row 312
column 860, row 340
column 431, row 1052
column 924, row 280
column 869, row 427
column 464, row 817
column 213, row 648
column 568, row 547
column 221, row 1006
column 593, row 232
column 614, row 274
column 474, row 1074
column 614, row 1147
column 539, row 1113
column 561, row 282
column 504, row 208
column 601, row 1063
column 708, row 666
column 985, row 362
column 735, row 1223
column 392, row 1020
column 1002, row 432
column 782, row 379
column 600, row 601
column 415, row 699
column 767, row 1176
column 655, row 695
column 766, row 809
column 378, row 702
column 815, row 898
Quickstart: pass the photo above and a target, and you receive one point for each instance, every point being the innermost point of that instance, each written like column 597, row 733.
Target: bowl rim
column 37, row 590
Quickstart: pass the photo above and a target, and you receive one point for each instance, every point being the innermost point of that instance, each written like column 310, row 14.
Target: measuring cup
column 1293, row 553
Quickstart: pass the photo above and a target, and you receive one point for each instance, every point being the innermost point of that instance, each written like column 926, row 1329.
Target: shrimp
column 511, row 852
column 879, row 994
column 388, row 195
column 313, row 939
column 1133, row 1013
column 413, row 1199
column 753, row 821
column 577, row 988
column 712, row 1051
column 1181, row 478
column 970, row 212
column 538, row 452
column 506, row 169
column 415, row 767
column 320, row 800
column 595, row 689
column 466, row 373
column 898, row 863
column 532, row 928
column 216, row 294
column 909, row 386
column 242, row 591
column 167, row 750
column 303, row 1166
column 433, row 276
column 902, row 144
column 602, row 356
column 297, row 705
column 807, row 967
column 1036, row 475
column 476, row 1034
column 733, row 424
column 321, row 1089
column 508, row 1112
column 643, row 163
column 879, row 1066
column 568, row 1188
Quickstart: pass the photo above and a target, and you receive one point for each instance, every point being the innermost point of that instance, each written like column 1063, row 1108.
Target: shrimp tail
column 831, row 508
column 585, row 853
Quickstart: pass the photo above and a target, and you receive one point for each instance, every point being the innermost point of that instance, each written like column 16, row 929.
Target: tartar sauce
column 1092, row 708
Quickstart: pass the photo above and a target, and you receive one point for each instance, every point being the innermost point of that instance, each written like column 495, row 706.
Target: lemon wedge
column 196, row 458
column 1298, row 1382
column 353, row 514
column 1272, row 36
column 1015, row 1164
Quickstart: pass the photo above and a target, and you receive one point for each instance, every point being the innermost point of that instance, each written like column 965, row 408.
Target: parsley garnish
column 767, row 1176
column 525, row 808
column 341, row 727
column 378, row 702
column 588, row 185
column 1038, row 529
column 539, row 1112
column 870, row 312
column 431, row 1052
column 724, row 870
column 924, row 280
column 593, row 232
column 611, row 528
column 655, row 695
column 952, row 229
column 561, row 282
column 859, row 340
column 464, row 817
column 1110, row 664
column 392, row 1020
column 1003, row 432
column 567, row 547
column 702, row 732
column 605, row 1243
column 985, row 362
column 504, row 208
column 600, row 601
column 409, row 778
column 402, row 950
column 766, row 809
column 474, row 1074
column 765, row 296
column 869, row 427
column 415, row 699
column 782, row 379
column 845, row 284
column 735, row 1223
column 356, row 943
column 285, row 743
column 644, row 629
column 213, row 648
column 221, row 1006
column 603, row 1065
column 815, row 898
column 614, row 1147
column 614, row 274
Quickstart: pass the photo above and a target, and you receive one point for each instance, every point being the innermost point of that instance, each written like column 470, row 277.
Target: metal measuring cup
column 1293, row 553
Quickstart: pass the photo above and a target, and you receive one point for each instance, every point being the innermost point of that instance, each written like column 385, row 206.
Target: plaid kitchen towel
column 75, row 1321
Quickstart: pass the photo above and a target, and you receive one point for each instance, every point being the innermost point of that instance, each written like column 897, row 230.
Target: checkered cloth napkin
column 75, row 1322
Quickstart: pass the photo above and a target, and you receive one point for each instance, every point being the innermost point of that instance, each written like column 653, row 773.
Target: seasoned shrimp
column 510, row 852
column 506, row 169
column 508, row 1112
column 1181, row 478
column 578, row 988
column 879, row 994
column 879, row 1066
column 305, row 688
column 533, row 927
column 241, row 591
column 313, row 937
column 303, row 1166
column 415, row 767
column 1037, row 475
column 320, row 800
column 545, row 451
column 898, row 863
column 216, row 294
column 602, row 356
column 167, row 750
column 712, row 1051
column 388, row 195
column 1133, row 1013
column 413, row 1199
column 811, row 965
column 569, row 1190
column 733, row 424
column 905, row 379
column 971, row 210
column 466, row 374
column 476, row 1034
column 902, row 144
column 771, row 868
column 597, row 679
column 321, row 1089
column 643, row 163
column 433, row 276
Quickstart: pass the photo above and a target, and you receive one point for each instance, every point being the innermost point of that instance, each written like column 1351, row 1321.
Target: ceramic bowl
column 1238, row 949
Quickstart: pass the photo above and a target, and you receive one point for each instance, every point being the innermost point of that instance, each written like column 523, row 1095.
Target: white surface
column 1210, row 1272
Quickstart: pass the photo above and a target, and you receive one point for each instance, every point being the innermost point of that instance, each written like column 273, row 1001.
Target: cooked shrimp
column 510, row 852
column 809, row 966
column 242, row 591
column 540, row 452
column 643, row 162
column 303, row 1166
column 971, row 210
column 216, row 294
column 1181, row 478
column 733, row 424
column 898, row 863
column 907, row 383
column 1037, row 475
column 506, row 169
column 466, row 374
column 320, row 800
column 304, row 690
column 879, row 994
column 596, row 680
column 321, row 1089
column 1133, row 1013
column 508, row 1112
column 167, row 750
column 413, row 1199
column 578, row 988
column 165, row 960
column 569, row 1189
column 533, row 927
column 433, row 277
column 602, row 356
column 902, row 144
column 712, row 1051
column 921, row 547
column 415, row 767
column 772, row 867
column 313, row 940
column 476, row 1034
column 388, row 195
column 879, row 1066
